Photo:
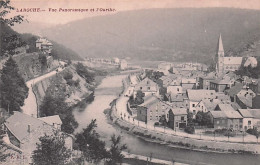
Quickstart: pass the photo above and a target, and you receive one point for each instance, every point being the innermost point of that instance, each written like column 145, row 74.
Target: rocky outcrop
column 74, row 90
column 30, row 65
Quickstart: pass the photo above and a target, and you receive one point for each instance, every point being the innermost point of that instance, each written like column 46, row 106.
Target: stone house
column 177, row 118
column 24, row 131
column 195, row 96
column 147, row 86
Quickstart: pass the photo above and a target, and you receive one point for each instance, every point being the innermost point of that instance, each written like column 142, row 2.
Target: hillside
column 59, row 51
column 160, row 34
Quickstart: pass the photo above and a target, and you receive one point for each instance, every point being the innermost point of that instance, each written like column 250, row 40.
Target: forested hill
column 160, row 34
column 10, row 39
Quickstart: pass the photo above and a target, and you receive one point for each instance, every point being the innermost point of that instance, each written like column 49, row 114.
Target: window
column 178, row 89
column 241, row 120
column 182, row 118
column 249, row 122
column 217, row 122
column 141, row 88
column 194, row 112
column 149, row 88
column 193, row 105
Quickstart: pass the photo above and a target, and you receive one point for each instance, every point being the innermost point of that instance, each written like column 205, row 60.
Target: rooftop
column 197, row 95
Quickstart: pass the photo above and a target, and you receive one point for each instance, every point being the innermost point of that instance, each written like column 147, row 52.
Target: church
column 225, row 64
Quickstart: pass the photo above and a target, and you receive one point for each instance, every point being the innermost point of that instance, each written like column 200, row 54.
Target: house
column 204, row 82
column 44, row 45
column 123, row 64
column 245, row 98
column 142, row 108
column 256, row 114
column 226, row 119
column 248, row 119
column 24, row 131
column 148, row 87
column 220, row 85
column 218, row 119
column 188, row 83
column 175, row 87
column 154, row 109
column 177, row 118
column 234, row 90
column 250, row 61
column 177, row 100
column 164, row 81
column 206, row 105
column 195, row 96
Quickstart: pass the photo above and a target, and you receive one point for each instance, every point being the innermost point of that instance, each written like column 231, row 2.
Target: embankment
column 183, row 142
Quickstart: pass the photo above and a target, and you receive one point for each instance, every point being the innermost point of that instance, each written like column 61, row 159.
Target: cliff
column 73, row 87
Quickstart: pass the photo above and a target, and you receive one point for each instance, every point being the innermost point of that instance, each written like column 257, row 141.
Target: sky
column 57, row 17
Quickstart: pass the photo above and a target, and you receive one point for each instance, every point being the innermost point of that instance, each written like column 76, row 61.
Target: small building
column 123, row 64
column 248, row 119
column 177, row 118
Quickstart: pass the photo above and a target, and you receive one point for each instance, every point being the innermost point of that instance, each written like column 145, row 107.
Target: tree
column 9, row 39
column 90, row 144
column 57, row 106
column 139, row 97
column 85, row 73
column 5, row 9
column 43, row 62
column 3, row 155
column 13, row 88
column 52, row 151
column 115, row 152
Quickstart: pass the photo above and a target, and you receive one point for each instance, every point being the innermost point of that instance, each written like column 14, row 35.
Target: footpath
column 192, row 141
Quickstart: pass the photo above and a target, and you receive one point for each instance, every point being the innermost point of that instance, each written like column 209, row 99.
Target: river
column 109, row 90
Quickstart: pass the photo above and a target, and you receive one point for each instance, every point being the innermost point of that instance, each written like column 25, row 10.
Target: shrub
column 190, row 129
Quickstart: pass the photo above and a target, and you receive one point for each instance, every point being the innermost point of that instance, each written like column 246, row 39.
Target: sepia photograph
column 129, row 82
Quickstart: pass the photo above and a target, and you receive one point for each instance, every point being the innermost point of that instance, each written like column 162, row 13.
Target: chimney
column 29, row 128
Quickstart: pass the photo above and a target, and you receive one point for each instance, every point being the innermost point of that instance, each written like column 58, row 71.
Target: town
column 141, row 86
column 187, row 98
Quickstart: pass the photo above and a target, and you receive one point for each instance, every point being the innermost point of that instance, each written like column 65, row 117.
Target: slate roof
column 246, row 97
column 255, row 113
column 210, row 104
column 198, row 95
column 18, row 125
column 179, row 111
column 51, row 120
column 226, row 107
column 235, row 89
column 218, row 114
column 145, row 83
column 220, row 47
column 245, row 113
column 233, row 114
column 233, row 60
column 150, row 99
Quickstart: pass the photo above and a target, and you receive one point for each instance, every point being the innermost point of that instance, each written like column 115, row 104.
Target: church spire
column 220, row 45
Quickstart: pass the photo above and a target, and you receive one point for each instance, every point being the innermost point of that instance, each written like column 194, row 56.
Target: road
column 30, row 103
column 121, row 106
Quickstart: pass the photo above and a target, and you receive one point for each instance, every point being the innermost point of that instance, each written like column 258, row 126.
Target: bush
column 190, row 129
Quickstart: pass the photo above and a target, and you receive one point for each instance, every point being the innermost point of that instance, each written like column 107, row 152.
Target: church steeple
column 220, row 48
column 220, row 56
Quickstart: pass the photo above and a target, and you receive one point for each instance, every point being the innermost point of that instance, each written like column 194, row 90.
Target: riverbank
column 175, row 141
